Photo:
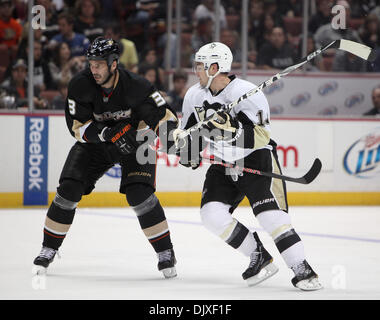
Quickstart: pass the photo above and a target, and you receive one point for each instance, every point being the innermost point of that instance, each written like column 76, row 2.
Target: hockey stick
column 355, row 48
column 305, row 179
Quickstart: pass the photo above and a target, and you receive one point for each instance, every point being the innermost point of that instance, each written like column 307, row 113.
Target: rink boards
column 34, row 148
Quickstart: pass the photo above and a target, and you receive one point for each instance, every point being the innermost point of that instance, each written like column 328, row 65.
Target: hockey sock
column 58, row 221
column 153, row 222
column 217, row 219
column 277, row 223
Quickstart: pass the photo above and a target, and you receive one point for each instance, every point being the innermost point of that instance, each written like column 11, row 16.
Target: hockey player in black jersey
column 106, row 105
column 242, row 135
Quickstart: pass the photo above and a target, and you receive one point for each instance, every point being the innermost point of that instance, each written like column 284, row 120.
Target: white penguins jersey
column 255, row 107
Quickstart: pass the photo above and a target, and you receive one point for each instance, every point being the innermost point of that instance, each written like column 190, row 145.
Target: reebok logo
column 36, row 160
column 35, row 156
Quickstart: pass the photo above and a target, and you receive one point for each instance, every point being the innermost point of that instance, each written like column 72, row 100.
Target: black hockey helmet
column 104, row 49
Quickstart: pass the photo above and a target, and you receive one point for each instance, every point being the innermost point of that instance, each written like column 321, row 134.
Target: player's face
column 201, row 73
column 376, row 98
column 99, row 70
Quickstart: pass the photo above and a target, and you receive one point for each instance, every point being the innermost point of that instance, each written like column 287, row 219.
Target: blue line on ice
column 319, row 235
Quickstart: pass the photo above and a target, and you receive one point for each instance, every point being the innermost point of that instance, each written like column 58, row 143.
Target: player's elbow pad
column 253, row 137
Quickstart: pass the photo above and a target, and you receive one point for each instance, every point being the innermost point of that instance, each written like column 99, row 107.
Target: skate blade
column 169, row 272
column 265, row 273
column 39, row 270
column 309, row 285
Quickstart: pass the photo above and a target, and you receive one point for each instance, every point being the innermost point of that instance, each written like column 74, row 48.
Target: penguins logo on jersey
column 207, row 109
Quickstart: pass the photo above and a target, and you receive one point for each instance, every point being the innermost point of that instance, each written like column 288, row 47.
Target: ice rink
column 106, row 256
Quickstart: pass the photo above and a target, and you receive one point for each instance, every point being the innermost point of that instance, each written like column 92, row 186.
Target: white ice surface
column 106, row 256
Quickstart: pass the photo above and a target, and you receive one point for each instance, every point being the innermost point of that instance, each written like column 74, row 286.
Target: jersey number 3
column 158, row 99
column 72, row 106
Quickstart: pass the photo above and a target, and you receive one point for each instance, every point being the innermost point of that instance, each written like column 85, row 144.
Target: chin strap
column 210, row 78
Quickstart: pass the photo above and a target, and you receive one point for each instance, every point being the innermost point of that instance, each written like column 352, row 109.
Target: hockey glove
column 190, row 153
column 223, row 127
column 123, row 136
column 189, row 160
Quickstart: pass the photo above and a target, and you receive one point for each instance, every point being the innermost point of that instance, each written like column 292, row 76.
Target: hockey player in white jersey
column 242, row 135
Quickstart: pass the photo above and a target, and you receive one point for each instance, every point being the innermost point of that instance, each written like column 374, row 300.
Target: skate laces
column 48, row 253
column 164, row 255
column 301, row 269
column 254, row 258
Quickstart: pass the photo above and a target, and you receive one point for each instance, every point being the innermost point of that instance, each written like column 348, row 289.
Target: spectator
column 42, row 78
column 128, row 56
column 150, row 73
column 179, row 90
column 375, row 66
column 370, row 31
column 87, row 22
column 271, row 7
column 231, row 39
column 10, row 29
column 149, row 58
column 108, row 12
column 58, row 5
column 38, row 37
column 347, row 62
column 264, row 30
column 77, row 42
column 17, row 86
column 232, row 7
column 202, row 34
column 290, row 8
column 313, row 64
column 206, row 10
column 63, row 66
column 276, row 53
column 327, row 33
column 137, row 17
column 376, row 103
column 362, row 8
column 20, row 11
column 59, row 101
column 376, row 11
column 256, row 14
column 321, row 17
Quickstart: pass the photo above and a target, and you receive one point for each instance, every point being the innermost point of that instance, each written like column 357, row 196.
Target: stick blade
column 357, row 49
column 313, row 172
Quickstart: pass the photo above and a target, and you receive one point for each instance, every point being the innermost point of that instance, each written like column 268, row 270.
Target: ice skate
column 261, row 266
column 43, row 260
column 305, row 278
column 166, row 263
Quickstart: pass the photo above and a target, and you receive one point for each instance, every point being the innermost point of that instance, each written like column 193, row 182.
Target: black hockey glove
column 123, row 136
column 224, row 127
column 189, row 155
column 189, row 160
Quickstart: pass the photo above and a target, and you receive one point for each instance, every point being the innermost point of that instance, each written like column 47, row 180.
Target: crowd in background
column 274, row 40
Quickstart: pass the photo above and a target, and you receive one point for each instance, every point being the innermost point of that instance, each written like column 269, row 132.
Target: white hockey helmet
column 215, row 52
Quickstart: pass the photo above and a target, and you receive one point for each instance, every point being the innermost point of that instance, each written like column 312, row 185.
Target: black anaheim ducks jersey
column 133, row 97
